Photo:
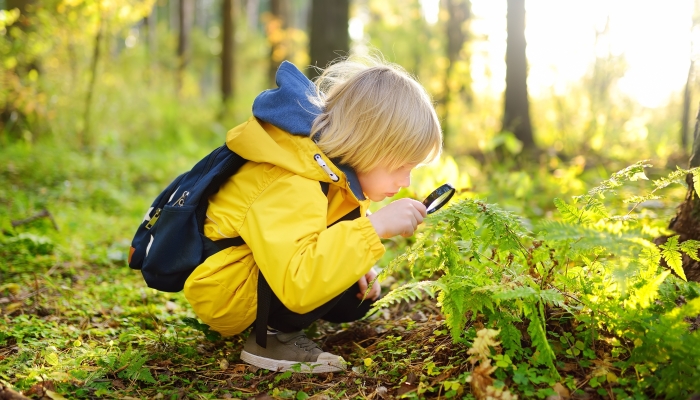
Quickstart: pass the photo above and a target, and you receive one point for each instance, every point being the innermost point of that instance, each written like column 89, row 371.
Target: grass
column 76, row 322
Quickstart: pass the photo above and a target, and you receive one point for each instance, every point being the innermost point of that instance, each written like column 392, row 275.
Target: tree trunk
column 152, row 36
column 183, row 44
column 21, row 5
column 85, row 135
column 227, row 50
column 686, row 223
column 686, row 107
column 458, row 13
column 516, row 116
column 329, row 38
column 277, row 36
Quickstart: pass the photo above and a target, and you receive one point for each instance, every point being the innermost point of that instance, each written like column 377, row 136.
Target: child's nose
column 405, row 181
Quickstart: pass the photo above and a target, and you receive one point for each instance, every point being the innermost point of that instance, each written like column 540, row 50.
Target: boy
column 359, row 130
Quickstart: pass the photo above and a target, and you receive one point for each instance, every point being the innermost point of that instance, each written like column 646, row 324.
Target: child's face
column 382, row 182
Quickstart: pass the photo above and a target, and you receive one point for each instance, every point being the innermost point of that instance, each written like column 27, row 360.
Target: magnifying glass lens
column 438, row 198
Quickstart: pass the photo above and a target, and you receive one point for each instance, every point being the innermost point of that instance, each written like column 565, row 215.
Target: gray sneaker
column 285, row 350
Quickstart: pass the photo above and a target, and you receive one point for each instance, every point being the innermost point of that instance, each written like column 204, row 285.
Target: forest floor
column 77, row 323
column 146, row 345
column 93, row 332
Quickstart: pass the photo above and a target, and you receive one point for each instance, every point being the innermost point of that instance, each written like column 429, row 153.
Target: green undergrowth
column 570, row 299
column 587, row 299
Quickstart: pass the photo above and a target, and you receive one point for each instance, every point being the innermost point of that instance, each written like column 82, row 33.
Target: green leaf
column 51, row 358
column 569, row 213
column 696, row 180
column 691, row 247
column 647, row 293
column 673, row 256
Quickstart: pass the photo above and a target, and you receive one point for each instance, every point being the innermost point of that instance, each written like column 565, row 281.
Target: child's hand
column 365, row 281
column 398, row 218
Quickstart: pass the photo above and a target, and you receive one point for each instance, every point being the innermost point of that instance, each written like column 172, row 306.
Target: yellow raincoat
column 275, row 203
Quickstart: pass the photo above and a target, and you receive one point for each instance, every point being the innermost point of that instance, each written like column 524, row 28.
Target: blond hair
column 374, row 113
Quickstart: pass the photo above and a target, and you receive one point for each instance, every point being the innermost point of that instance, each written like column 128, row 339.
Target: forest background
column 567, row 276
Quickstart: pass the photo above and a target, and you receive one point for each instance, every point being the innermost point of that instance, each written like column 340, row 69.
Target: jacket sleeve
column 305, row 263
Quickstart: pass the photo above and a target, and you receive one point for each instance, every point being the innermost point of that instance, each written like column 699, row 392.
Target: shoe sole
column 284, row 365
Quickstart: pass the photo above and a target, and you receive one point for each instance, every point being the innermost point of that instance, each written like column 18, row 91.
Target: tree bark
column 183, row 44
column 686, row 223
column 458, row 12
column 85, row 135
column 516, row 116
column 227, row 50
column 151, row 22
column 686, row 107
column 329, row 37
column 276, row 28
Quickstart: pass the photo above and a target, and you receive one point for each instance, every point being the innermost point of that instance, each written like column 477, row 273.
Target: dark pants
column 345, row 307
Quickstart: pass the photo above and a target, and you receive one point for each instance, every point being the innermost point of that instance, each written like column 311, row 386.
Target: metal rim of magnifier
column 436, row 194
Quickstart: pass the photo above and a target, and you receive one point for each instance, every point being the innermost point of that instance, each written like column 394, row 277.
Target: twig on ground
column 41, row 214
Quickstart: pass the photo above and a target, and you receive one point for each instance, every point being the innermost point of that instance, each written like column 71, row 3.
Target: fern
column 411, row 291
column 677, row 176
column 691, row 247
column 633, row 172
column 597, row 207
column 545, row 355
column 641, row 199
column 696, row 180
column 589, row 265
column 569, row 213
column 672, row 255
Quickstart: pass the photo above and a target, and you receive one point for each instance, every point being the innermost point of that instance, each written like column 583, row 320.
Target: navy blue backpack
column 170, row 242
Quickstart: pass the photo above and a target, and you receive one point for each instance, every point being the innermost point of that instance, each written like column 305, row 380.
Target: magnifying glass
column 439, row 197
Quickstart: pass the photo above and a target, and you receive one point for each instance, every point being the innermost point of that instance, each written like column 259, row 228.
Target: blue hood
column 288, row 107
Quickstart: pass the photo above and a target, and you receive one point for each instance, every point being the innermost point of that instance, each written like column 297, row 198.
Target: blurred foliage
column 73, row 314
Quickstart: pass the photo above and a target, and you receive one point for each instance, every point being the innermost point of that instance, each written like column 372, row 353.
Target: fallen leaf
column 561, row 390
column 223, row 364
column 239, row 369
column 481, row 379
column 12, row 308
column 405, row 388
column 53, row 395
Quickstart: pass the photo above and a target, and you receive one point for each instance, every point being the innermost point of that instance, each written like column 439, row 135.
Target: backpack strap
column 263, row 313
column 325, row 186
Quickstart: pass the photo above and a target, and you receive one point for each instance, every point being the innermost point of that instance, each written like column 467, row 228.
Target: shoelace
column 305, row 343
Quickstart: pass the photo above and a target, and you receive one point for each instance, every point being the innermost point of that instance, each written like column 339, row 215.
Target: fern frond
column 589, row 238
column 597, row 207
column 623, row 218
column 696, row 180
column 569, row 213
column 642, row 199
column 510, row 336
column 672, row 255
column 411, row 291
column 539, row 340
column 645, row 295
column 691, row 247
column 631, row 173
column 677, row 176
